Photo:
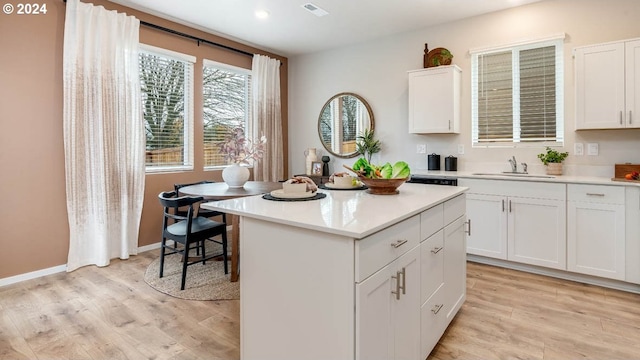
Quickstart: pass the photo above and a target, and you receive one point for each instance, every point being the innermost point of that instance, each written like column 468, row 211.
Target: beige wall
column 34, row 231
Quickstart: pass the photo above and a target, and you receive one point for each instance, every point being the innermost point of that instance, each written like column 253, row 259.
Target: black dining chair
column 190, row 231
column 201, row 212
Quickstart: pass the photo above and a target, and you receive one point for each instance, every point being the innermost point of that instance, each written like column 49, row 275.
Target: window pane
column 165, row 83
column 538, row 94
column 495, row 97
column 226, row 106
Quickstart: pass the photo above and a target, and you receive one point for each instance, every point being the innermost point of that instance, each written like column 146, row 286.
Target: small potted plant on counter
column 367, row 145
column 553, row 159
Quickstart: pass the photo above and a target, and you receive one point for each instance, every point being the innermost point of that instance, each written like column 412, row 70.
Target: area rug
column 204, row 282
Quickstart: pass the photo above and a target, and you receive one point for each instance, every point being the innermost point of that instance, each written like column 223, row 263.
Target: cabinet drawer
column 596, row 193
column 433, row 321
column 431, row 221
column 431, row 265
column 454, row 208
column 381, row 248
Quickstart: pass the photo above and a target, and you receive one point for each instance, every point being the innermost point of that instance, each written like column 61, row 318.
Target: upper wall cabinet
column 608, row 85
column 434, row 100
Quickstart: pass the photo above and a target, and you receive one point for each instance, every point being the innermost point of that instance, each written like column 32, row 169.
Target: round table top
column 221, row 191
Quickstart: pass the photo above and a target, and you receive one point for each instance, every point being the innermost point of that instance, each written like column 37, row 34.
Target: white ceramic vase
column 310, row 157
column 235, row 175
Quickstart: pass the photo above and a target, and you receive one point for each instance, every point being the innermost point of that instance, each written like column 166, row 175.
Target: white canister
column 310, row 157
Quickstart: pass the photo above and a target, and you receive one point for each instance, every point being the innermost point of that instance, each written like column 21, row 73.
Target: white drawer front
column 431, row 221
column 433, row 321
column 596, row 193
column 431, row 265
column 454, row 208
column 381, row 248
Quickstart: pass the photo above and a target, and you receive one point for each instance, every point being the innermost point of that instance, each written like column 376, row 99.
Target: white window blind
column 167, row 81
column 517, row 94
column 226, row 106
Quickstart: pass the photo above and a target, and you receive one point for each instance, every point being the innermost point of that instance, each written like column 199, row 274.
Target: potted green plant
column 553, row 159
column 367, row 145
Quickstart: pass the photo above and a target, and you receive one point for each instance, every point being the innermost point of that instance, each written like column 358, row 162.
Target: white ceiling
column 292, row 30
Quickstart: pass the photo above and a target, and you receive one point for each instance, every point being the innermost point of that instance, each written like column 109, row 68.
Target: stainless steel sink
column 510, row 174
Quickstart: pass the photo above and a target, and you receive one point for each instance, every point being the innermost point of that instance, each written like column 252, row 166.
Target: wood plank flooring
column 110, row 313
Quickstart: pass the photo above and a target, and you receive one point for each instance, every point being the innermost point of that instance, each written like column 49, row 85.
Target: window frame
column 189, row 119
column 248, row 104
column 558, row 42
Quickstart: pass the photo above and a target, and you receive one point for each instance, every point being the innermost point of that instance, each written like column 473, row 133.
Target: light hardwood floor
column 110, row 313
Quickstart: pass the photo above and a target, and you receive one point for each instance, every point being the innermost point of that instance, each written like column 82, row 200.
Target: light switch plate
column 578, row 149
column 592, row 149
column 421, row 149
column 460, row 149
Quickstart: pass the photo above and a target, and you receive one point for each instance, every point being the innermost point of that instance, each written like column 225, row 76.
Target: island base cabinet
column 387, row 319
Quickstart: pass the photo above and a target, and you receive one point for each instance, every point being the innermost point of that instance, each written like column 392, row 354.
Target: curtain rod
column 197, row 39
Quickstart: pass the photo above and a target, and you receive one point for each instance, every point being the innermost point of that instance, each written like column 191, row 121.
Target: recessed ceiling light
column 314, row 9
column 262, row 14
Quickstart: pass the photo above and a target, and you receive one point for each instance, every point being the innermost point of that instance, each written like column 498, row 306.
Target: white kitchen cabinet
column 632, row 234
column 608, row 85
column 434, row 100
column 596, row 230
column 388, row 303
column 517, row 221
column 488, row 225
column 443, row 273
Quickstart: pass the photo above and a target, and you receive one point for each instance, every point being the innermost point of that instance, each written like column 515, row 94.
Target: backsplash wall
column 377, row 71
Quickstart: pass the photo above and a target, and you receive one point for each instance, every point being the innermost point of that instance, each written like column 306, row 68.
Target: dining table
column 221, row 191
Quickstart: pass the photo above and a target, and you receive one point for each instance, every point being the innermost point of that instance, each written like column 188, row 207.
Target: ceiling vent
column 315, row 10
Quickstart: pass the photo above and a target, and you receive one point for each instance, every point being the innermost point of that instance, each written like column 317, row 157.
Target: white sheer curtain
column 267, row 117
column 103, row 134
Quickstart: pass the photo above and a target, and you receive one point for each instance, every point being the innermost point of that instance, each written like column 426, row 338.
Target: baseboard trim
column 56, row 269
column 565, row 275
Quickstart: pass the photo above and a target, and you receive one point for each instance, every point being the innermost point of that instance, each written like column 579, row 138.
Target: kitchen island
column 352, row 275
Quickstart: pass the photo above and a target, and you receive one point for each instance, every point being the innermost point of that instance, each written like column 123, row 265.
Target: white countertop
column 566, row 179
column 353, row 213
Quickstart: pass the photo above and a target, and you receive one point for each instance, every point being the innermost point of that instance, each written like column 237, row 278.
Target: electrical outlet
column 460, row 149
column 421, row 149
column 578, row 149
column 592, row 149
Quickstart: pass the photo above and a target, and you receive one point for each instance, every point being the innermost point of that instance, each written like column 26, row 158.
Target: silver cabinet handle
column 469, row 228
column 399, row 243
column 404, row 280
column 630, row 118
column 397, row 292
column 436, row 309
column 436, row 250
column 620, row 117
column 502, row 205
column 509, row 205
column 595, row 194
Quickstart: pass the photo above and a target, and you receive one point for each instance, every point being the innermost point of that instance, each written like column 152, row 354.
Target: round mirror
column 341, row 120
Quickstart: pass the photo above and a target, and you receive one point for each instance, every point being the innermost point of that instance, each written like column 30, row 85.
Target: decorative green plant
column 552, row 156
column 366, row 145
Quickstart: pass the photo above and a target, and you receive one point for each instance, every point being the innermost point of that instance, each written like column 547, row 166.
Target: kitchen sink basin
column 510, row 174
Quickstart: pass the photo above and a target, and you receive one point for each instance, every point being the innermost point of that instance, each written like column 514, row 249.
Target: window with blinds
column 166, row 80
column 517, row 95
column 226, row 106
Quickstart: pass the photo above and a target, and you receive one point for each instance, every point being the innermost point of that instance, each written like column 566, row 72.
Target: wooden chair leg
column 162, row 252
column 185, row 259
column 224, row 252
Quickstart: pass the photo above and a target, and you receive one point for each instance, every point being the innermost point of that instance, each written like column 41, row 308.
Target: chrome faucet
column 514, row 164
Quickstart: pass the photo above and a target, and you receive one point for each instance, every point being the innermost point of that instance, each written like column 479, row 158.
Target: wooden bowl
column 382, row 186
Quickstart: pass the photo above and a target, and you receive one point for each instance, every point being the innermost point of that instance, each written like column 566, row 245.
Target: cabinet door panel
column 632, row 84
column 537, row 232
column 431, row 265
column 600, row 79
column 455, row 266
column 406, row 310
column 374, row 317
column 596, row 239
column 488, row 225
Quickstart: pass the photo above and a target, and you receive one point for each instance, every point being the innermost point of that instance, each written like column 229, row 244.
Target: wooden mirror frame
column 347, row 149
